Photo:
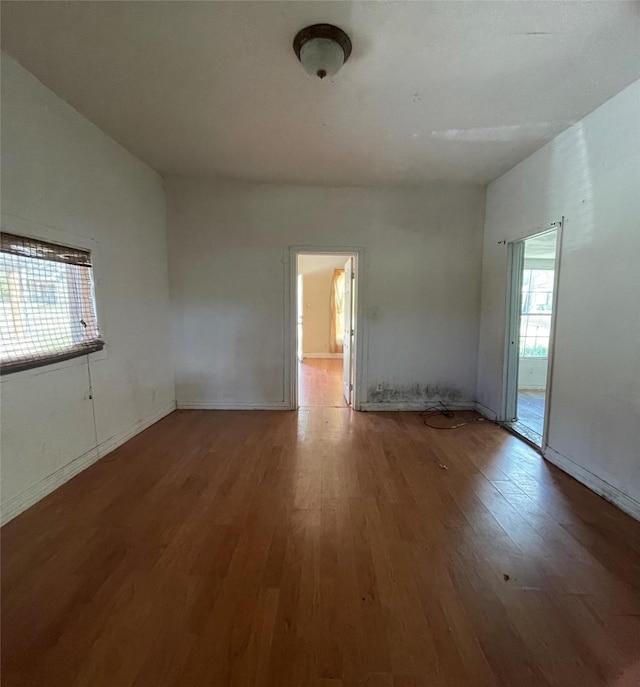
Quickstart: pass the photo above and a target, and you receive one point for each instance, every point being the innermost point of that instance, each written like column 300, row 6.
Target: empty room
column 320, row 344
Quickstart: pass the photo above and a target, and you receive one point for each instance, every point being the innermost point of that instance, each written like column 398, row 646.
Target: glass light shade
column 321, row 57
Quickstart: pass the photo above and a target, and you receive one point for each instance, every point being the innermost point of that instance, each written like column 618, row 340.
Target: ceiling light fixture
column 322, row 49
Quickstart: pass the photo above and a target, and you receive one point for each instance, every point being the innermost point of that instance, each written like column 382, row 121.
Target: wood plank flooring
column 320, row 548
column 531, row 409
column 320, row 383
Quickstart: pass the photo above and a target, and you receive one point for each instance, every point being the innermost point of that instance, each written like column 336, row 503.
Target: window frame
column 48, row 234
column 530, row 313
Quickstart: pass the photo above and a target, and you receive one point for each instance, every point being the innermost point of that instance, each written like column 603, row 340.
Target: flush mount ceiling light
column 322, row 49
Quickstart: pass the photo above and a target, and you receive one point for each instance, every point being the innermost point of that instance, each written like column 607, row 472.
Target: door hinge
column 350, row 387
column 353, row 276
column 353, row 332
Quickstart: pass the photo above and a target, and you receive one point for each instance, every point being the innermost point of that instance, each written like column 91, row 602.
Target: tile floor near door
column 320, row 383
column 321, row 548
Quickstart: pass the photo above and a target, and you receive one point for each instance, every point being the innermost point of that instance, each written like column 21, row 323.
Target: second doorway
column 532, row 297
column 325, row 328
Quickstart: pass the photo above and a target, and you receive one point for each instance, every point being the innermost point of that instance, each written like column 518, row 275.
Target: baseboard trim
column 38, row 491
column 328, row 356
column 19, row 503
column 414, row 405
column 608, row 492
column 120, row 438
column 198, row 405
column 486, row 412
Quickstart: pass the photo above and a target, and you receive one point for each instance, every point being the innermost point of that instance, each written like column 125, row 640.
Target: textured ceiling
column 433, row 90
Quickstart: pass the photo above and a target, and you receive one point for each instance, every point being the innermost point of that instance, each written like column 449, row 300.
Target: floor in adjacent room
column 320, row 383
column 530, row 422
column 531, row 409
column 322, row 548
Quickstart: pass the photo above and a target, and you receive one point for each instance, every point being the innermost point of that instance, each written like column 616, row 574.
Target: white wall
column 532, row 373
column 591, row 175
column 65, row 180
column 317, row 273
column 229, row 265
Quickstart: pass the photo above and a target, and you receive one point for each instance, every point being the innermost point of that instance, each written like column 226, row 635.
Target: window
column 47, row 306
column 535, row 319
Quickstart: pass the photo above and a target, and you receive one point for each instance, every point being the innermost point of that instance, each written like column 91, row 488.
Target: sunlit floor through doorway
column 531, row 409
column 320, row 383
column 530, row 422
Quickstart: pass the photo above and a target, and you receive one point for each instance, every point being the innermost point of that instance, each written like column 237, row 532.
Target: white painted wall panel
column 591, row 175
column 63, row 179
column 39, row 434
column 532, row 373
column 229, row 255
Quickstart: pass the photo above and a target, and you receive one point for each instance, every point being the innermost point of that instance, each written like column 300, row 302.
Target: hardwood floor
column 320, row 548
column 320, row 383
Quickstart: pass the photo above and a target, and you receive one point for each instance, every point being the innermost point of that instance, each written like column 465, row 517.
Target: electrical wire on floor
column 441, row 410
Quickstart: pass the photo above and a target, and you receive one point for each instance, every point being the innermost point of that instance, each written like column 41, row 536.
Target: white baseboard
column 27, row 498
column 414, row 405
column 486, row 412
column 33, row 494
column 328, row 356
column 231, row 405
column 591, row 481
column 118, row 439
column 608, row 492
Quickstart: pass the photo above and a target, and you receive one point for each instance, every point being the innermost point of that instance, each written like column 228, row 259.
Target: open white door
column 347, row 345
column 533, row 284
column 300, row 308
column 514, row 304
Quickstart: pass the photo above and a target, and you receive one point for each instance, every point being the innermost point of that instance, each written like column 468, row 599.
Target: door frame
column 290, row 300
column 299, row 318
column 515, row 261
column 509, row 365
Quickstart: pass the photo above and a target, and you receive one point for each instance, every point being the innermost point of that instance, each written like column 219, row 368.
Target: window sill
column 53, row 363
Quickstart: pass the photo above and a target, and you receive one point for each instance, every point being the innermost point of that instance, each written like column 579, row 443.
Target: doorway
column 532, row 295
column 326, row 334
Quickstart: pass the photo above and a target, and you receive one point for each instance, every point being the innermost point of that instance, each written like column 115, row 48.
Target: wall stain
column 414, row 393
